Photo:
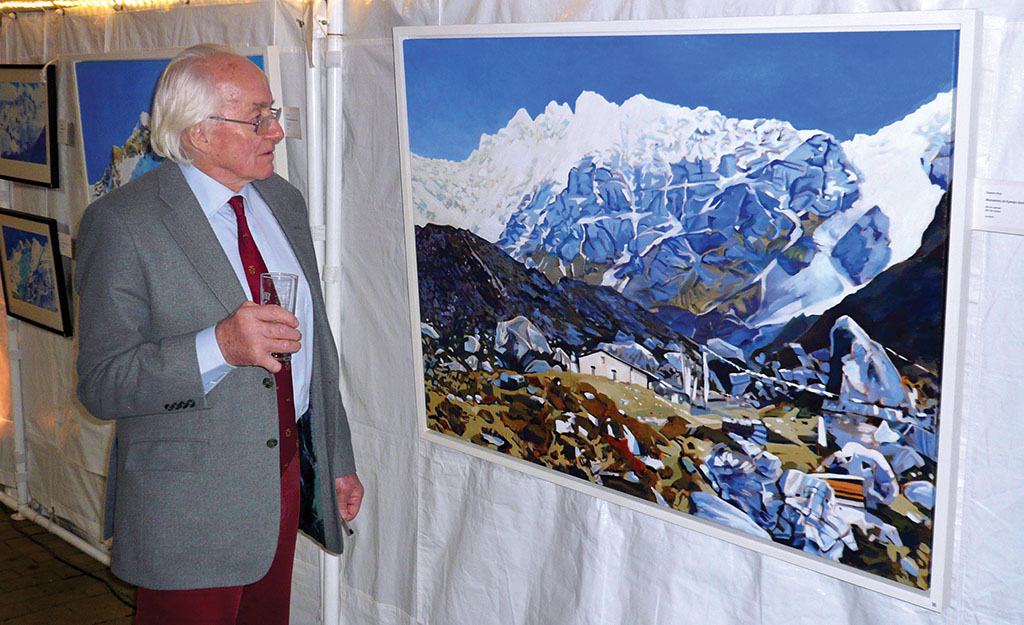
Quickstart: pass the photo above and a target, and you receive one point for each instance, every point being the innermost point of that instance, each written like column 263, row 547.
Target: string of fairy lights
column 10, row 7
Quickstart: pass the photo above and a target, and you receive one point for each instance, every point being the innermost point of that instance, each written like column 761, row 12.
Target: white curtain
column 452, row 539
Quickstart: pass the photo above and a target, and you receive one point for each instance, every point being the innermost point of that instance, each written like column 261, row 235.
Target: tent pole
column 315, row 148
column 18, row 415
column 330, row 565
column 24, row 512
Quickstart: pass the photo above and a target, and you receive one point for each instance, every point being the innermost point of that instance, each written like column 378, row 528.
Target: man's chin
column 268, row 169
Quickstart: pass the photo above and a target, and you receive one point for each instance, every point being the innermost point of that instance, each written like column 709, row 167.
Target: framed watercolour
column 28, row 124
column 33, row 274
column 114, row 94
column 711, row 270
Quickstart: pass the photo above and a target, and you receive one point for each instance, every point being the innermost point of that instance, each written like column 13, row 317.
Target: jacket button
column 272, row 443
column 268, row 382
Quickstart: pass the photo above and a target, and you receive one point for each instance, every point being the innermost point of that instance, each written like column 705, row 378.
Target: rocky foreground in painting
column 731, row 318
column 769, row 452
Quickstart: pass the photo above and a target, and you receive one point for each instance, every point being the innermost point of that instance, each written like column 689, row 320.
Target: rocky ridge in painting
column 732, row 318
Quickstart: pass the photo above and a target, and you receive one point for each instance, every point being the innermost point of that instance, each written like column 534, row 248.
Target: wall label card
column 999, row 206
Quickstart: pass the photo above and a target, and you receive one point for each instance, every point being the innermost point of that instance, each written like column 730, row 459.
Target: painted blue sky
column 842, row 83
column 111, row 94
column 15, row 237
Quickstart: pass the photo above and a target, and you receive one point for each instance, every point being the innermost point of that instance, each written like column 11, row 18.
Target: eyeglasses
column 261, row 126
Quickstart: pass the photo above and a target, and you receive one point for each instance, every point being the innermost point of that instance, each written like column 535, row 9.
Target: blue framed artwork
column 707, row 269
column 28, row 123
column 33, row 274
column 114, row 101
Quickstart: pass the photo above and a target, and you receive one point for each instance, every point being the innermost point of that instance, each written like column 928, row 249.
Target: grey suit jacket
column 193, row 487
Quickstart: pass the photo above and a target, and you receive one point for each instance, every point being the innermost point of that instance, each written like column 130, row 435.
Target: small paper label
column 999, row 207
column 65, row 136
column 319, row 232
column 64, row 242
column 292, row 122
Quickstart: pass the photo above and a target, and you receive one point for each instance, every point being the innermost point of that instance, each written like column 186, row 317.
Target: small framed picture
column 28, row 124
column 33, row 273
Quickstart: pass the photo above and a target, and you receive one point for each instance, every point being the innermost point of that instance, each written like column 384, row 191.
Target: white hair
column 185, row 96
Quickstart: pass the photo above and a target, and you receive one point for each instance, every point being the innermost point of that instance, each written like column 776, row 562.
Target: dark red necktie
column 253, row 265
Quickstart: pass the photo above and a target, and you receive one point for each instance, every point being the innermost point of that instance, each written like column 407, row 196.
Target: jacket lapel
column 294, row 222
column 191, row 229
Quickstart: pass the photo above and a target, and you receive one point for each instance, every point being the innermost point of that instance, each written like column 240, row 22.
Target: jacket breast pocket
column 183, row 455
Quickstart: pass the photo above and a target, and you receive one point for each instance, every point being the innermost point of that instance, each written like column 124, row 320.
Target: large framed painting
column 28, row 124
column 114, row 96
column 711, row 270
column 33, row 274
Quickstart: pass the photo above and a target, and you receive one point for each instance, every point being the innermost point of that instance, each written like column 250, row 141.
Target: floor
column 46, row 581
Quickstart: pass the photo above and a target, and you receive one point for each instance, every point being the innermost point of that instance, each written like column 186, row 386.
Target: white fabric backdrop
column 445, row 538
column 493, row 545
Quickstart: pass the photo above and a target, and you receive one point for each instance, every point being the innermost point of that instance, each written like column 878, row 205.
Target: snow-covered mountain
column 128, row 161
column 733, row 226
column 480, row 193
column 30, row 275
column 22, row 122
column 894, row 175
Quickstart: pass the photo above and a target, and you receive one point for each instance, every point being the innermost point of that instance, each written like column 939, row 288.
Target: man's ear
column 195, row 139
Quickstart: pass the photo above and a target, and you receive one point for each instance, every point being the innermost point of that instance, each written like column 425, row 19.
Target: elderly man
column 215, row 436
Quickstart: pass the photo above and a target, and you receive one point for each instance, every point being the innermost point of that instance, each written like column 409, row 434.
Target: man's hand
column 251, row 333
column 350, row 495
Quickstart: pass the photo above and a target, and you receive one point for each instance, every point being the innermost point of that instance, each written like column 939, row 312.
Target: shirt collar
column 211, row 195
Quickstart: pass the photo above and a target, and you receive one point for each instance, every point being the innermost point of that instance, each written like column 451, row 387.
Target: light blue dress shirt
column 277, row 254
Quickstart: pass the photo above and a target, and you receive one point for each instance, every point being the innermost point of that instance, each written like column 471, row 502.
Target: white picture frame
column 455, row 196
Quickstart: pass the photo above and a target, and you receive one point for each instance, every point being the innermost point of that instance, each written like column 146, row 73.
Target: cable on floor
column 113, row 591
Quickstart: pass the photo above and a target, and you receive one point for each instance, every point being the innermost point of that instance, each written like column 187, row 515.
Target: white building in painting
column 604, row 364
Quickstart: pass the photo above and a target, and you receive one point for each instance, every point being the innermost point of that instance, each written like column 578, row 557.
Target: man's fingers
column 282, row 346
column 281, row 338
column 275, row 314
column 268, row 313
column 269, row 363
column 279, row 331
column 350, row 495
column 250, row 334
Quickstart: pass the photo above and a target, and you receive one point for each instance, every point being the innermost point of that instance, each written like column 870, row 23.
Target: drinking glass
column 280, row 289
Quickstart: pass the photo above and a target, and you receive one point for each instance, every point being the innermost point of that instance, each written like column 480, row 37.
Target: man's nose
column 276, row 132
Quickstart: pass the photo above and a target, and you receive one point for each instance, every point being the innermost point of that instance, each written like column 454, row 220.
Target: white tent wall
column 446, row 538
column 491, row 545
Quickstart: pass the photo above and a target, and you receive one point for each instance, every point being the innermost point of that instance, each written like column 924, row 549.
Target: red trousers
column 264, row 602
